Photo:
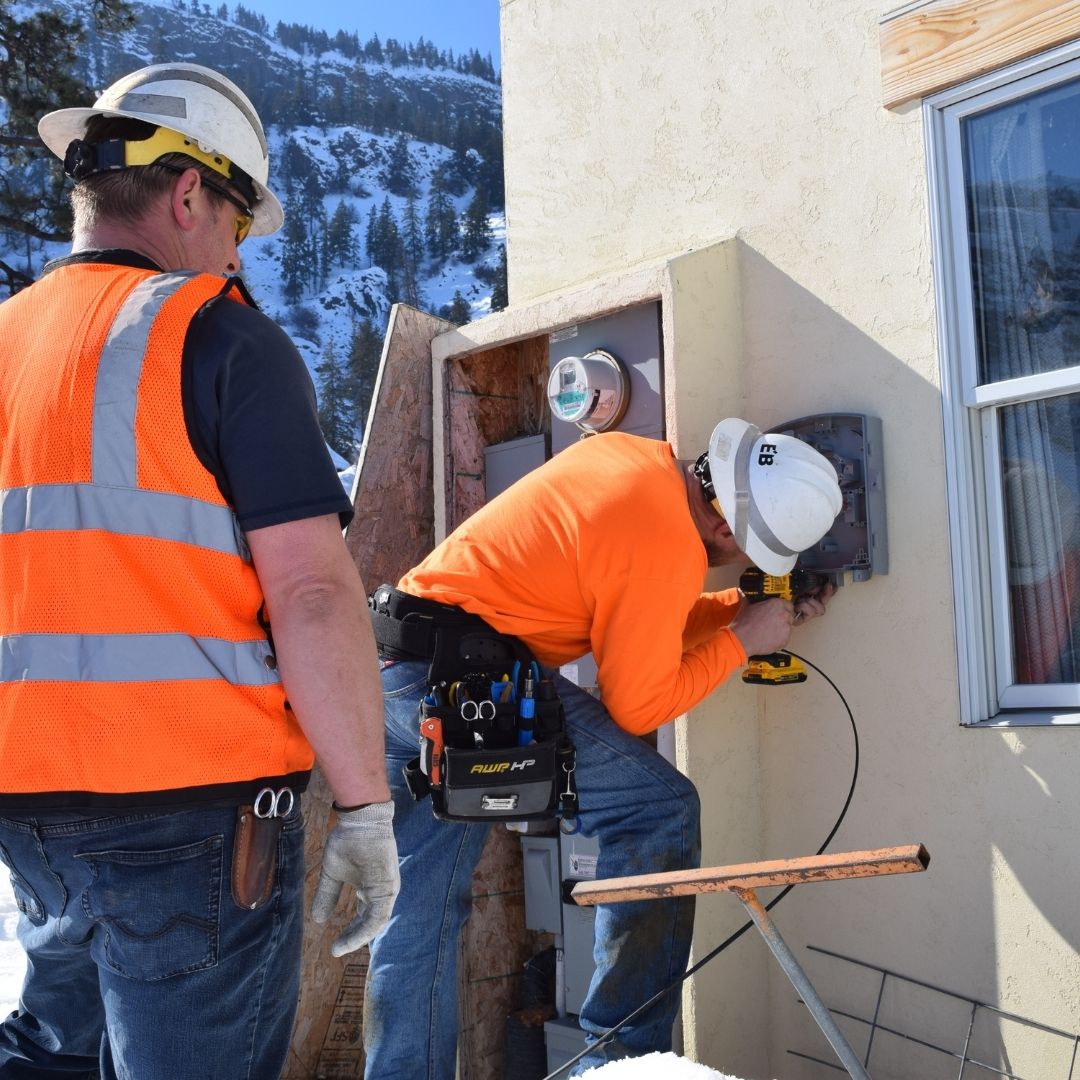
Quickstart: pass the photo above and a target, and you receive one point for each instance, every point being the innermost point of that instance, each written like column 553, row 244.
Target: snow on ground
column 655, row 1067
column 12, row 960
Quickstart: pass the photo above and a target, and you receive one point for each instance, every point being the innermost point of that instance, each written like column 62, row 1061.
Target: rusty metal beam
column 908, row 859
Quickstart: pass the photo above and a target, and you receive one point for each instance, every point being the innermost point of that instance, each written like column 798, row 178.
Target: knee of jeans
column 684, row 802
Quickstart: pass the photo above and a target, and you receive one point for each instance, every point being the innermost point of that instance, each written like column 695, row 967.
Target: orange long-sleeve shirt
column 596, row 550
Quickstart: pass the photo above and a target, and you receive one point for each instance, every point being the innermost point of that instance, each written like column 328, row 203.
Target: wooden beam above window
column 930, row 46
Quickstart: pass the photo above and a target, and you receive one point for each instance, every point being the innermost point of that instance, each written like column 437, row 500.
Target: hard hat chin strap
column 746, row 515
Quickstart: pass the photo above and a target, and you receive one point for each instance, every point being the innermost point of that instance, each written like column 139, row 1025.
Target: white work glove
column 360, row 852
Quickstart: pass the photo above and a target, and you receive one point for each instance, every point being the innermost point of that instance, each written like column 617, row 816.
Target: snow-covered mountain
column 386, row 155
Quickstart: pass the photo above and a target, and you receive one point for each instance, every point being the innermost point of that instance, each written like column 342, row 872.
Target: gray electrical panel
column 857, row 541
column 543, row 883
column 506, row 463
column 549, row 861
column 632, row 336
column 577, row 858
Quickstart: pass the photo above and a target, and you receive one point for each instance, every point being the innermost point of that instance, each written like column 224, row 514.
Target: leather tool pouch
column 254, row 857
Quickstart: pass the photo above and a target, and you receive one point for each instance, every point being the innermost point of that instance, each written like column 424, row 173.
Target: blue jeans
column 140, row 966
column 645, row 814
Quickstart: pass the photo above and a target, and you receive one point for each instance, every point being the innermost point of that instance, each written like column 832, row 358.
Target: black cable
column 607, row 1036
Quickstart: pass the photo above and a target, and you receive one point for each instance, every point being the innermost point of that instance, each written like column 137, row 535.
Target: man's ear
column 725, row 528
column 183, row 201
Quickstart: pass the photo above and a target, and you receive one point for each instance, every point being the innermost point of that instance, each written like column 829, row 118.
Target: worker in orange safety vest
column 182, row 630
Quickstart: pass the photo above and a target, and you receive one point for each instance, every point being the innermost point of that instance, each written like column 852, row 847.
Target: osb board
column 394, row 524
column 494, row 949
column 492, row 397
column 392, row 530
column 947, row 41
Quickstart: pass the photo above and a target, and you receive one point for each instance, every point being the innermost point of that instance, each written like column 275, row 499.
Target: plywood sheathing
column 393, row 529
column 394, row 524
column 945, row 42
column 495, row 946
column 491, row 397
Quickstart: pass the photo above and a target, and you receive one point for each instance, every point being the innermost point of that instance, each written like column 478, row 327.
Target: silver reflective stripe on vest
column 126, row 511
column 117, row 388
column 747, row 516
column 133, row 658
column 112, row 502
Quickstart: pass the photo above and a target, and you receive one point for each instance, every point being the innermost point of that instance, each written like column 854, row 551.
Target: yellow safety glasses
column 244, row 219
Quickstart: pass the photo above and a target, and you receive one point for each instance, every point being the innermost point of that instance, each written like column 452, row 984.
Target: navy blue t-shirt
column 250, row 411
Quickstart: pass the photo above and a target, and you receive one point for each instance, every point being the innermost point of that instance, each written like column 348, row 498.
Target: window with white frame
column 1005, row 178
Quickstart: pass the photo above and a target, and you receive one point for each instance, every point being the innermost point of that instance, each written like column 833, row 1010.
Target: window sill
column 1029, row 718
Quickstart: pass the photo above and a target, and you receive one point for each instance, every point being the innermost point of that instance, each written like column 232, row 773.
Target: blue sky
column 450, row 24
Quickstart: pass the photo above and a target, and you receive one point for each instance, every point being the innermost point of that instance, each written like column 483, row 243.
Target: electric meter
column 591, row 391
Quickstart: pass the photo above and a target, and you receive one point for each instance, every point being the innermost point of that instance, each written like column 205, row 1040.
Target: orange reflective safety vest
column 132, row 660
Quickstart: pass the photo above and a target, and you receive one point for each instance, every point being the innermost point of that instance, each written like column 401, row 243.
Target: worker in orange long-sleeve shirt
column 605, row 549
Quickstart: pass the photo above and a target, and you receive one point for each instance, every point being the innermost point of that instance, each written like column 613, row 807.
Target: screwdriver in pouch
column 526, row 713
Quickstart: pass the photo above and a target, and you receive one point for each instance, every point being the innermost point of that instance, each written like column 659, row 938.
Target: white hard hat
column 194, row 101
column 777, row 493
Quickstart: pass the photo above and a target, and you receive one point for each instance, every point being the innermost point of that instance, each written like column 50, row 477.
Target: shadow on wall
column 996, row 809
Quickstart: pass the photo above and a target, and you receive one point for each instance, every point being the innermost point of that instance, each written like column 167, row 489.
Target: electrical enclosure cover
column 856, row 543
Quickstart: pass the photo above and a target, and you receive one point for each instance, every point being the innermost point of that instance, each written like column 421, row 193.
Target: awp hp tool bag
column 493, row 742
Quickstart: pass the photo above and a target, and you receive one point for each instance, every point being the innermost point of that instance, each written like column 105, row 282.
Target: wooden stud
column 833, row 867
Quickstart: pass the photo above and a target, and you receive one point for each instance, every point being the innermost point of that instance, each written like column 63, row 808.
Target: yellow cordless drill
column 778, row 667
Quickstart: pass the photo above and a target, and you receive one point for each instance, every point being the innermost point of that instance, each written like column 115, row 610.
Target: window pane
column 1040, row 443
column 1022, row 181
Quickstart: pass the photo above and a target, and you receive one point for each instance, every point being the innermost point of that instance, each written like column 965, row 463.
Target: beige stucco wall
column 744, row 142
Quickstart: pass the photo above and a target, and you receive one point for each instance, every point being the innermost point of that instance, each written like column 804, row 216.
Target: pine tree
column 384, row 245
column 38, row 52
column 399, row 176
column 475, row 230
column 365, row 355
column 373, row 50
column 335, row 410
column 293, row 258
column 440, row 222
column 457, row 311
column 499, row 294
column 412, row 249
column 342, row 248
column 303, row 251
column 371, row 236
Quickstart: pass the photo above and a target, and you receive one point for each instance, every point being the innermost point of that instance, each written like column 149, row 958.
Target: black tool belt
column 493, row 741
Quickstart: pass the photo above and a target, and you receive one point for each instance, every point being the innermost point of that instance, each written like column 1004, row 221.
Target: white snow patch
column 655, row 1067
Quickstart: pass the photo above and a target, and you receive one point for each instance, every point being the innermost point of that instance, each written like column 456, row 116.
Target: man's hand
column 764, row 627
column 360, row 852
column 812, row 605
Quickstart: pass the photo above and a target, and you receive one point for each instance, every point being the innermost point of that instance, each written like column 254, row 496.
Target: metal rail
column 965, row 1056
